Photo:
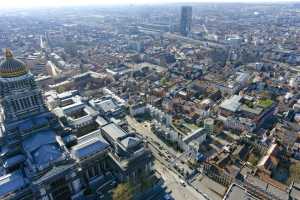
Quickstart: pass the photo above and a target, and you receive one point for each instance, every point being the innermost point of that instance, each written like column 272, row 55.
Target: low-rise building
column 245, row 112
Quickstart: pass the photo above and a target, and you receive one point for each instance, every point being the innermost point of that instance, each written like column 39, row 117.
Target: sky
column 45, row 3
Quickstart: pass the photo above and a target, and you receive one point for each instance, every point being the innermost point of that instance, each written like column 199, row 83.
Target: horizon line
column 116, row 4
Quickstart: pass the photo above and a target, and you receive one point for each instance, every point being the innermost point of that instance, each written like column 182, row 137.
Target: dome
column 12, row 67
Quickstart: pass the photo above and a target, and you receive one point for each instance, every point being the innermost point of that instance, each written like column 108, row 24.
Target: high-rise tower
column 186, row 20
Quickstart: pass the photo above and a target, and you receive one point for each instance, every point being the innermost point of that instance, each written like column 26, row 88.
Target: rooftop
column 237, row 192
column 107, row 105
column 114, row 131
column 130, row 141
column 42, row 138
column 11, row 182
column 89, row 145
column 232, row 104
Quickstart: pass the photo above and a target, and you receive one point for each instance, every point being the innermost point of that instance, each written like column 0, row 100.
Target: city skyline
column 149, row 100
column 60, row 3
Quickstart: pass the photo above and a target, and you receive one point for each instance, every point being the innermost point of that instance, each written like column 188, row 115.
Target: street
column 145, row 130
column 172, row 181
column 164, row 156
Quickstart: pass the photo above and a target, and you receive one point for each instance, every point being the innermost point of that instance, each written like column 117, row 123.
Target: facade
column 209, row 125
column 199, row 136
column 138, row 109
column 186, row 20
column 130, row 156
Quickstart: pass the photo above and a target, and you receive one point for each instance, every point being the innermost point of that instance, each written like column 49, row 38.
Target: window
column 17, row 105
column 91, row 172
column 14, row 105
column 22, row 103
column 33, row 100
column 36, row 100
column 28, row 101
column 96, row 169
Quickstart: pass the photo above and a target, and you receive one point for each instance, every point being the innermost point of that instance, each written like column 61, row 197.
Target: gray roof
column 114, row 131
column 89, row 145
column 72, row 107
column 194, row 135
column 82, row 120
column 237, row 192
column 268, row 188
column 277, row 192
column 107, row 105
column 67, row 94
column 295, row 191
column 242, row 76
column 130, row 141
column 232, row 104
column 101, row 121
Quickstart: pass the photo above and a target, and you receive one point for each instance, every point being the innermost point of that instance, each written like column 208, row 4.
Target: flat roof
column 89, row 146
column 114, row 131
column 232, row 104
column 267, row 188
column 236, row 192
column 194, row 135
column 295, row 191
column 101, row 121
column 107, row 105
column 67, row 94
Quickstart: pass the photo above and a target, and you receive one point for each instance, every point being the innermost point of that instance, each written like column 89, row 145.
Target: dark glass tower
column 185, row 20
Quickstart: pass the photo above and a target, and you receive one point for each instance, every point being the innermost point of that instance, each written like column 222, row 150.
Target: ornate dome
column 12, row 67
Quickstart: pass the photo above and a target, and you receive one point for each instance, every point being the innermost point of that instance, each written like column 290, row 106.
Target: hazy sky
column 38, row 3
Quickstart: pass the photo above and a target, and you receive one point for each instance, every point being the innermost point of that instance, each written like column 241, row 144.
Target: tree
column 61, row 89
column 123, row 191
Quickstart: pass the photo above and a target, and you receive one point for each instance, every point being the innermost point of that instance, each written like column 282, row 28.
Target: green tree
column 61, row 89
column 123, row 191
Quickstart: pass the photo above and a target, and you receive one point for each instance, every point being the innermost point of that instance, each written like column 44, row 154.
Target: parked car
column 182, row 182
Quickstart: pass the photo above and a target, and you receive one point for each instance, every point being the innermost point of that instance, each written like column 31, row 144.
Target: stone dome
column 12, row 67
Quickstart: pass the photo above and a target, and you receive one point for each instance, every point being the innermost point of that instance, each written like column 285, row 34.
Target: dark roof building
column 30, row 137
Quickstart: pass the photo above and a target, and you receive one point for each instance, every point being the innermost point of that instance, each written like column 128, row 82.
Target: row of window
column 95, row 170
column 24, row 103
column 18, row 84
